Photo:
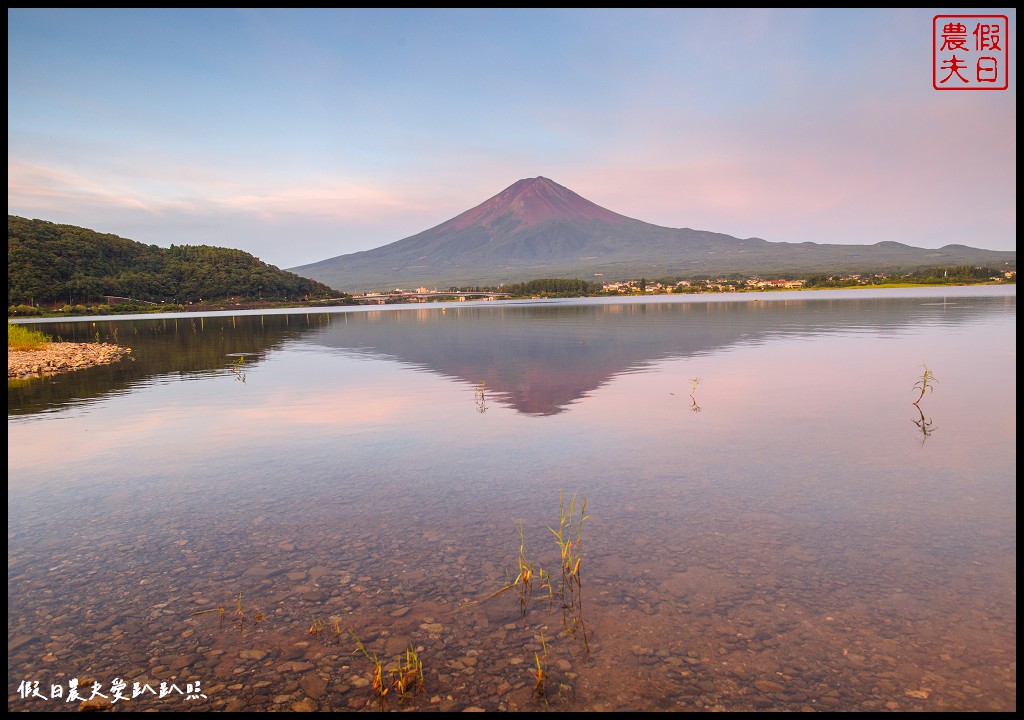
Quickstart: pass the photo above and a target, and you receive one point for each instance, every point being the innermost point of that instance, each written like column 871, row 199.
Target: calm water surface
column 772, row 523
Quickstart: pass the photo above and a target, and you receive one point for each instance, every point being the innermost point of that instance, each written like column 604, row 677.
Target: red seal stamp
column 970, row 52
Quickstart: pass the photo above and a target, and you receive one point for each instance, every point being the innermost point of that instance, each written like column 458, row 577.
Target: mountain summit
column 536, row 228
column 531, row 202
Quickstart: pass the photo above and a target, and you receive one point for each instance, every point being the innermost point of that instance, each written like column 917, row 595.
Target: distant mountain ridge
column 537, row 228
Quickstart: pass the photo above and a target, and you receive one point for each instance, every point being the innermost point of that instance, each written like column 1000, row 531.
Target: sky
column 300, row 135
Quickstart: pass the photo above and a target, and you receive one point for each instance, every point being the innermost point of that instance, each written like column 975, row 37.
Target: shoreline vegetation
column 535, row 289
column 32, row 354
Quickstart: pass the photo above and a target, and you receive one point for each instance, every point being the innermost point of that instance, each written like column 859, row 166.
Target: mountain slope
column 538, row 228
column 48, row 263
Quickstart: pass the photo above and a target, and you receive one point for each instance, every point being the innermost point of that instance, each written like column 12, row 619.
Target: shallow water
column 772, row 523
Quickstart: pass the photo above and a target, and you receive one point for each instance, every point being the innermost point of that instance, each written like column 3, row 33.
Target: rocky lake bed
column 59, row 357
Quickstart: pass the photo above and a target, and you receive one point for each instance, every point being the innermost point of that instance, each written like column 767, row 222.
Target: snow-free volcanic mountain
column 532, row 202
column 537, row 228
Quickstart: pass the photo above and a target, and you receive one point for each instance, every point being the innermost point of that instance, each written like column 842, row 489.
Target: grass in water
column 540, row 686
column 237, row 368
column 924, row 424
column 21, row 338
column 527, row 575
column 380, row 688
column 480, row 397
column 318, row 626
column 406, row 678
column 694, row 382
column 925, row 384
column 254, row 617
column 569, row 537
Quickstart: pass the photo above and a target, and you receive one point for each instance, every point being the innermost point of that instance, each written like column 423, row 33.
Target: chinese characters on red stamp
column 970, row 52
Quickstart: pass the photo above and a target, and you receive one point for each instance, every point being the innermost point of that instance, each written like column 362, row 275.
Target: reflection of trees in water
column 188, row 346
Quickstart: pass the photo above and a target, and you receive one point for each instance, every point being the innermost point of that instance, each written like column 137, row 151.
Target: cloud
column 926, row 171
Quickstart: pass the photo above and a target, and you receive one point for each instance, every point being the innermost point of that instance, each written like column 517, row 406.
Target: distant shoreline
column 233, row 305
column 62, row 357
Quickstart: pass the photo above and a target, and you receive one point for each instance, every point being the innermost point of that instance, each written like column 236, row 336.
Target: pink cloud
column 873, row 171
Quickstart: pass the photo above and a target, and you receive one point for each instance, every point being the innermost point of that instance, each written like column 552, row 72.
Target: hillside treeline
column 553, row 287
column 49, row 263
column 952, row 275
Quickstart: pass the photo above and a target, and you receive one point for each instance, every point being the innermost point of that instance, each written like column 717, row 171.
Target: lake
column 770, row 521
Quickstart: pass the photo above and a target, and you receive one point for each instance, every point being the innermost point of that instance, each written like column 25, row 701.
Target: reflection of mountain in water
column 540, row 358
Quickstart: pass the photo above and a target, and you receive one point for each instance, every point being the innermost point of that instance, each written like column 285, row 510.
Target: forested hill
column 50, row 263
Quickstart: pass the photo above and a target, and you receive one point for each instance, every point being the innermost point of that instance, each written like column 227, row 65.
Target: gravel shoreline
column 59, row 357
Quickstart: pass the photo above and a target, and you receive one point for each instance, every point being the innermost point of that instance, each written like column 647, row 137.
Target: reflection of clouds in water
column 356, row 409
column 92, row 436
column 173, row 430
